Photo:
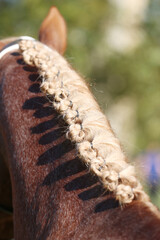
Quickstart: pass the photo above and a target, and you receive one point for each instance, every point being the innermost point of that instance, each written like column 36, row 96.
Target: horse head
column 69, row 176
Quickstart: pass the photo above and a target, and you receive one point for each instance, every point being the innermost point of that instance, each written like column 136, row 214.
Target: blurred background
column 115, row 45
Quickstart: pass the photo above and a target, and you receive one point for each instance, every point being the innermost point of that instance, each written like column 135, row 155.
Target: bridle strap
column 13, row 45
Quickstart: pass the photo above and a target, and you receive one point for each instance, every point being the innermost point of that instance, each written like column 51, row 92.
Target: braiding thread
column 88, row 127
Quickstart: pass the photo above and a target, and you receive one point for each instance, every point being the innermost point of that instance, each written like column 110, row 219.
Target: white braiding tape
column 12, row 46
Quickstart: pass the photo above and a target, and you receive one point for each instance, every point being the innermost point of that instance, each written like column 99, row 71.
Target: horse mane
column 88, row 128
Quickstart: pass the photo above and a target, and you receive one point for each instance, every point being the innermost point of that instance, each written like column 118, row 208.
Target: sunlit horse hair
column 88, row 127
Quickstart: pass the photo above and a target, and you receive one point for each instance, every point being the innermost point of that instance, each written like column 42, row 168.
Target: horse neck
column 54, row 195
column 34, row 138
column 46, row 175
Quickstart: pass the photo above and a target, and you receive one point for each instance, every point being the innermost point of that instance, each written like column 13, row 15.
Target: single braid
column 88, row 127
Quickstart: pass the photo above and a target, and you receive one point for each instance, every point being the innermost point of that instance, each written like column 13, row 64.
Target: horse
column 62, row 169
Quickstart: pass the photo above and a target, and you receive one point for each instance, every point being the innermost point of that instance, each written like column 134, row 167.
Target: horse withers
column 58, row 168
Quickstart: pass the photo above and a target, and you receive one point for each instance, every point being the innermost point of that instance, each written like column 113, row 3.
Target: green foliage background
column 135, row 75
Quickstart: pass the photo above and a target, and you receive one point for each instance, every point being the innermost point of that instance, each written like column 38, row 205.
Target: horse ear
column 53, row 31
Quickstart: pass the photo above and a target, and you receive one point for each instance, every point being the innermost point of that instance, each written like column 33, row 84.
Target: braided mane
column 88, row 127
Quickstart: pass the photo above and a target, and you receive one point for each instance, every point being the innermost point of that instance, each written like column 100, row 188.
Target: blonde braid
column 88, row 127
